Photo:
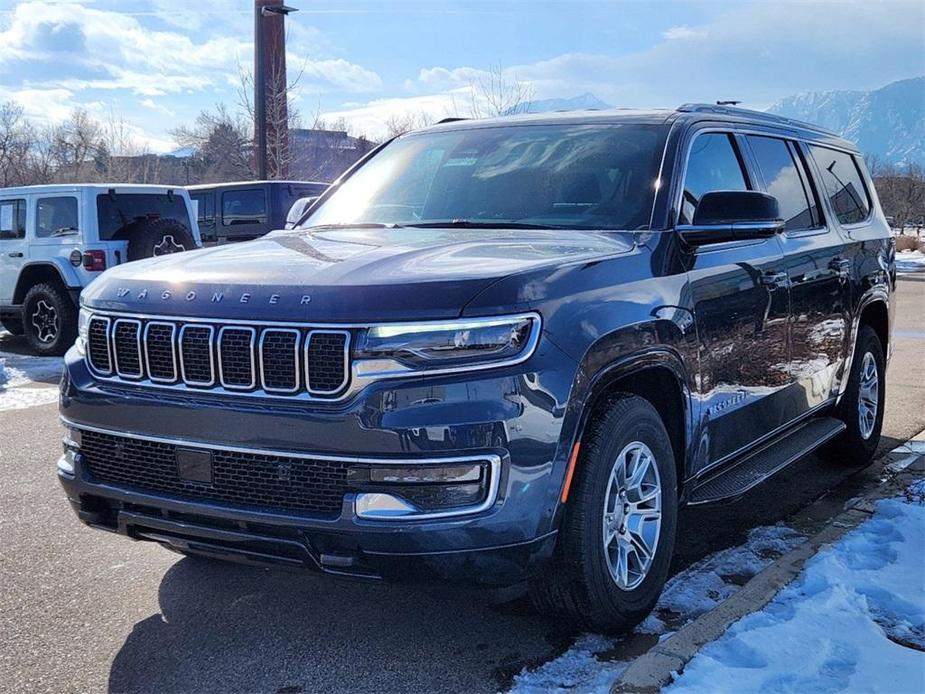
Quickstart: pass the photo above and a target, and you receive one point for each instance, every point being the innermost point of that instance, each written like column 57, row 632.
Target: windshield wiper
column 358, row 225
column 64, row 231
column 470, row 224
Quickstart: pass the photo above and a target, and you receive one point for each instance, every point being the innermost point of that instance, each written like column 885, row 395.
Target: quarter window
column 712, row 165
column 56, row 216
column 244, row 207
column 12, row 219
column 843, row 184
column 782, row 180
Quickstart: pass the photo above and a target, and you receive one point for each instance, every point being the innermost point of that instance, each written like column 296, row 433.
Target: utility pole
column 269, row 50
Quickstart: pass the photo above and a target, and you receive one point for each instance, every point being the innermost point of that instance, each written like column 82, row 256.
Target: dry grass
column 909, row 243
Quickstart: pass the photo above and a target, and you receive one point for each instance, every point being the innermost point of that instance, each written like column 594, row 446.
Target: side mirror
column 298, row 210
column 729, row 215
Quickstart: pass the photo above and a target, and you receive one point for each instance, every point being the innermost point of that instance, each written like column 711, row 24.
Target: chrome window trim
column 173, row 351
column 187, row 381
column 295, row 360
column 115, row 352
column 90, row 363
column 493, row 460
column 218, row 349
column 308, row 374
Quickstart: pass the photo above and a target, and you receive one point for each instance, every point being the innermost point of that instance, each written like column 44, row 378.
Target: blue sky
column 158, row 63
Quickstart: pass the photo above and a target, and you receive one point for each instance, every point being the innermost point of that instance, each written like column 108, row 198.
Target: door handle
column 15, row 255
column 841, row 266
column 773, row 280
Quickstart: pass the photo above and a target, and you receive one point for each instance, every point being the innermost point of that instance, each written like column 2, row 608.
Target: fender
column 66, row 273
column 593, row 379
column 876, row 293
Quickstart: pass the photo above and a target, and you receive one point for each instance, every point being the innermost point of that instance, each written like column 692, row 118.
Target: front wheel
column 617, row 536
column 49, row 319
column 861, row 405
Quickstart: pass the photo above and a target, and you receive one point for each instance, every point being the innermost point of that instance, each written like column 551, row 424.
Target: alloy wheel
column 632, row 515
column 45, row 321
column 868, row 396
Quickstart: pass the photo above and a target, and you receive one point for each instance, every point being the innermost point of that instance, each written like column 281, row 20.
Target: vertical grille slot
column 326, row 361
column 98, row 352
column 160, row 357
column 126, row 340
column 236, row 357
column 196, row 363
column 279, row 360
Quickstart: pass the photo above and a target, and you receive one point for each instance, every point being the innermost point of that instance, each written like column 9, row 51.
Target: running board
column 732, row 482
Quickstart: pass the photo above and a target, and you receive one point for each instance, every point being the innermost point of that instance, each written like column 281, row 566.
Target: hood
column 344, row 275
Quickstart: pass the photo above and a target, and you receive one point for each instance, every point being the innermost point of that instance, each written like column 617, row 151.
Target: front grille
column 278, row 361
column 252, row 480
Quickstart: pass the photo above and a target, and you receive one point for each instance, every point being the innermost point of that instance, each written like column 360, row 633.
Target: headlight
column 83, row 323
column 469, row 343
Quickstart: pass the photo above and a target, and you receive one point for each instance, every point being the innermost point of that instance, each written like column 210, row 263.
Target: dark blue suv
column 502, row 352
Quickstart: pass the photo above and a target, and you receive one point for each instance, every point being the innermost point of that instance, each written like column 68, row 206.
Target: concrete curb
column 655, row 669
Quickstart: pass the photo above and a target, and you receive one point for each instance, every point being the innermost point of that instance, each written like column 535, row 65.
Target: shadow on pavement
column 226, row 627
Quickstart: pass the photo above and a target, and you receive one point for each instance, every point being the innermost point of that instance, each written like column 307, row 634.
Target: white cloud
column 681, row 32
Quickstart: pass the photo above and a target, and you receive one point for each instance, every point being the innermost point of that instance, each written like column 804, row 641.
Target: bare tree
column 17, row 139
column 222, row 146
column 497, row 95
column 74, row 143
column 400, row 123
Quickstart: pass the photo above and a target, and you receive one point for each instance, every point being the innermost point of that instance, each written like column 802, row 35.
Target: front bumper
column 512, row 417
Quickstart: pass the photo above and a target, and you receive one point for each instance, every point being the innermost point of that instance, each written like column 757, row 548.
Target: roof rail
column 754, row 115
column 451, row 119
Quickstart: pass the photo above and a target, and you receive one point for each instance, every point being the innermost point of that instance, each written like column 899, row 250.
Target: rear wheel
column 617, row 536
column 49, row 319
column 861, row 406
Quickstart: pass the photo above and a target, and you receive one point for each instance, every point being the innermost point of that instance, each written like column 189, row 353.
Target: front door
column 740, row 296
column 13, row 245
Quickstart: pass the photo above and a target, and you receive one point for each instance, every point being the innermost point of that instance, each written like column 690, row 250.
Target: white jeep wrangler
column 56, row 239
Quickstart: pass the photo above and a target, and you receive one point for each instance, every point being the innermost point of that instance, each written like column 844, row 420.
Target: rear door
column 818, row 269
column 741, row 308
column 13, row 245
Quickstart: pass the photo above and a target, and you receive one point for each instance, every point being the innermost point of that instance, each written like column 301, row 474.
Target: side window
column 55, row 216
column 712, row 165
column 12, row 219
column 843, row 184
column 206, row 212
column 244, row 207
column 783, row 180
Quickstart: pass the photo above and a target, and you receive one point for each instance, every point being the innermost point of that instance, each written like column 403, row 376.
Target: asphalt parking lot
column 81, row 610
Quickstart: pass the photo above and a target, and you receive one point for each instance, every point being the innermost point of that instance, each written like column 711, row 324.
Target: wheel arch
column 657, row 375
column 36, row 273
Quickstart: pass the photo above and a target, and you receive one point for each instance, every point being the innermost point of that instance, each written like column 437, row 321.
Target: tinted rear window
column 120, row 212
column 843, row 184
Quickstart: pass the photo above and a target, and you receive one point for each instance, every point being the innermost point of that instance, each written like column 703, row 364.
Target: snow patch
column 854, row 620
column 910, row 261
column 593, row 662
column 26, row 381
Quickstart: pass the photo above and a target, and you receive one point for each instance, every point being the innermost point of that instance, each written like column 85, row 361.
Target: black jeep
column 501, row 351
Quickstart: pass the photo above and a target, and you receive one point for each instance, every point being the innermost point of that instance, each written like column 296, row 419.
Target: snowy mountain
column 576, row 103
column 888, row 122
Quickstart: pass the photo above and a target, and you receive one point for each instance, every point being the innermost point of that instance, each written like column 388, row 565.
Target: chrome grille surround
column 205, row 356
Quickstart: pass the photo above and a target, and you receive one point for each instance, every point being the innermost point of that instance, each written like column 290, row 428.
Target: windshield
column 122, row 212
column 560, row 176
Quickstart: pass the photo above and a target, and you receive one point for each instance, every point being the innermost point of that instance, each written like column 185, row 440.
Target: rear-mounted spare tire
column 158, row 237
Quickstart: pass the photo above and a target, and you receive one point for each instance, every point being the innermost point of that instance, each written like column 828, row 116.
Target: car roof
column 684, row 114
column 101, row 187
column 251, row 184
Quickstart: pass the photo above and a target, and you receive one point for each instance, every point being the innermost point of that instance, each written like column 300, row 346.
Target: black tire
column 158, row 237
column 49, row 319
column 853, row 447
column 12, row 325
column 578, row 585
